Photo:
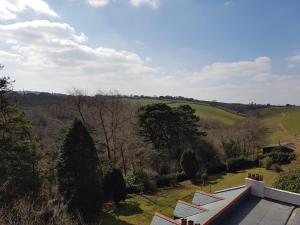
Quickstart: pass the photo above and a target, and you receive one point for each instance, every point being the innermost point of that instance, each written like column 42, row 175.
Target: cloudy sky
column 225, row 50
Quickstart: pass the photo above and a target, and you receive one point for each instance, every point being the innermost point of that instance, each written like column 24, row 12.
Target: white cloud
column 10, row 9
column 293, row 61
column 234, row 70
column 152, row 3
column 98, row 3
column 52, row 54
column 101, row 3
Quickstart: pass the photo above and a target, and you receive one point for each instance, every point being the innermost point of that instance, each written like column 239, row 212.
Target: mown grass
column 139, row 209
column 202, row 110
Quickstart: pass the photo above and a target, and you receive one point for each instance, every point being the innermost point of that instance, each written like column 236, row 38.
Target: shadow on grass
column 107, row 219
column 128, row 209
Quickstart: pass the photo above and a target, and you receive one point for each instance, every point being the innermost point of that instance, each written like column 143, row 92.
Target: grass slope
column 283, row 123
column 139, row 209
column 202, row 110
column 292, row 121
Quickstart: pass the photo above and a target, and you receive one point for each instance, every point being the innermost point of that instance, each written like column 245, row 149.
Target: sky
column 224, row 50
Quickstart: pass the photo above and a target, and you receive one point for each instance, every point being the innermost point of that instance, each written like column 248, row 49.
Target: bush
column 181, row 176
column 281, row 157
column 235, row 164
column 189, row 163
column 134, row 184
column 24, row 211
column 266, row 162
column 276, row 167
column 217, row 166
column 114, row 185
column 289, row 181
column 166, row 180
column 139, row 182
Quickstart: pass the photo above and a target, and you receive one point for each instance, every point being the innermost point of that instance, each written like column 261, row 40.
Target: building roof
column 184, row 209
column 202, row 198
column 280, row 145
column 260, row 211
column 214, row 208
column 252, row 203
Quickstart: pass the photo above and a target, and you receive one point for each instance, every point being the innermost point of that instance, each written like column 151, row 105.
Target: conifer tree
column 79, row 172
column 114, row 185
column 18, row 158
column 119, row 186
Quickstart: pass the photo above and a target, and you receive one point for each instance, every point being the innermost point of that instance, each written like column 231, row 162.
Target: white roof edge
column 230, row 189
column 283, row 191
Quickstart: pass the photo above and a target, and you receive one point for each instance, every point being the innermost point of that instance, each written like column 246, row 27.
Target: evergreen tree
column 114, row 185
column 18, row 158
column 79, row 172
column 189, row 163
column 119, row 186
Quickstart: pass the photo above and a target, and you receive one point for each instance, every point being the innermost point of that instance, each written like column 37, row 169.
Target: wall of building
column 283, row 196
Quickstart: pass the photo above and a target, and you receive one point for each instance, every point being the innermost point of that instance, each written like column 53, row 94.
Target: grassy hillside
column 284, row 126
column 202, row 110
column 292, row 121
column 283, row 123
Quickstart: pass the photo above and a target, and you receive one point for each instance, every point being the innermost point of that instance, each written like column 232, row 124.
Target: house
column 286, row 147
column 252, row 203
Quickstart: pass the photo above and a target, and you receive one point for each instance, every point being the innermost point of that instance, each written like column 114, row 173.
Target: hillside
column 204, row 111
column 283, row 123
column 284, row 126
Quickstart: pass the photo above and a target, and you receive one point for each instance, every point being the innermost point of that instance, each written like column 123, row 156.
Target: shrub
column 134, row 184
column 276, row 167
column 235, row 164
column 181, row 176
column 119, row 186
column 281, row 157
column 114, row 185
column 189, row 163
column 266, row 162
column 166, row 180
column 289, row 181
column 139, row 182
column 24, row 211
column 217, row 166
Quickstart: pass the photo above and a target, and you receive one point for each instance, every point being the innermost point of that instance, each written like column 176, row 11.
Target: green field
column 292, row 122
column 283, row 123
column 202, row 110
column 139, row 209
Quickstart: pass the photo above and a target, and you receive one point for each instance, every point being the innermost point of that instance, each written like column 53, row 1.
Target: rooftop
column 252, row 203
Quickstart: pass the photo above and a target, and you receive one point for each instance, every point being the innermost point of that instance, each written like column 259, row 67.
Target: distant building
column 285, row 147
column 252, row 203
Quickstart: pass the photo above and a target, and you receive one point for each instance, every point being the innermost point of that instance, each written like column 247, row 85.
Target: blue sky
column 226, row 50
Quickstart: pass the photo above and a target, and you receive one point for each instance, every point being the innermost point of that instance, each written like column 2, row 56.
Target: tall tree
column 170, row 130
column 189, row 163
column 18, row 158
column 79, row 172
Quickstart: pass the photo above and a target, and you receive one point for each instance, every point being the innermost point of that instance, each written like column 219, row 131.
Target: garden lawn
column 139, row 209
